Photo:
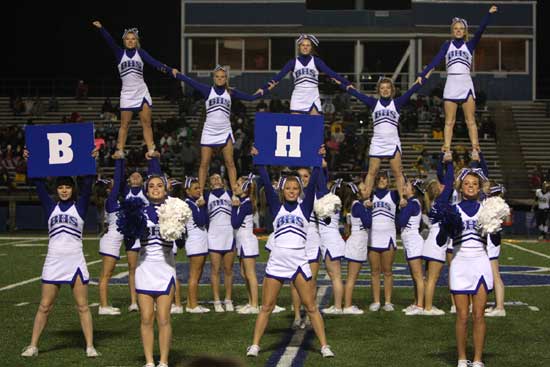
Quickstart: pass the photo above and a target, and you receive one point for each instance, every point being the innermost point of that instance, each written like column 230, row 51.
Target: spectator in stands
column 261, row 106
column 38, row 107
column 75, row 117
column 328, row 108
column 18, row 106
column 53, row 104
column 275, row 105
column 488, row 128
column 189, row 155
column 5, row 179
column 238, row 107
column 29, row 104
column 107, row 109
column 81, row 90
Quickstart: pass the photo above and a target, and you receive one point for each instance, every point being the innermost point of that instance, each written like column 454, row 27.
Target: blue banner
column 288, row 140
column 60, row 150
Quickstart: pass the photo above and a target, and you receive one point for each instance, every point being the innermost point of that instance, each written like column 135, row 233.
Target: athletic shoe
column 133, row 307
column 478, row 364
column 229, row 305
column 30, row 351
column 92, row 353
column 162, row 365
column 296, row 324
column 278, row 309
column 253, row 350
column 453, row 309
column 415, row 311
column 197, row 309
column 495, row 313
column 388, row 307
column 218, row 306
column 540, row 238
column 375, row 306
column 332, row 310
column 352, row 310
column 433, row 312
column 176, row 309
column 306, row 323
column 108, row 310
column 463, row 363
column 326, row 352
column 408, row 308
column 237, row 308
column 149, row 365
column 249, row 310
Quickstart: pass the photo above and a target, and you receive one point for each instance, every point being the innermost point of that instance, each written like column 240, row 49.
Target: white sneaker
column 162, row 365
column 408, row 308
column 433, row 312
column 326, row 352
column 388, row 307
column 218, row 306
column 306, row 323
column 229, row 305
column 149, row 365
column 463, row 363
column 478, row 364
column 332, row 310
column 176, row 309
column 453, row 309
column 133, row 307
column 495, row 312
column 278, row 309
column 108, row 310
column 296, row 324
column 239, row 307
column 415, row 311
column 249, row 310
column 197, row 309
column 253, row 350
column 92, row 353
column 375, row 306
column 30, row 351
column 352, row 310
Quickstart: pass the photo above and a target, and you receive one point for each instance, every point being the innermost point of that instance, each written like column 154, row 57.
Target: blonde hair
column 384, row 81
column 138, row 44
column 288, row 179
column 432, row 192
column 227, row 87
column 466, row 37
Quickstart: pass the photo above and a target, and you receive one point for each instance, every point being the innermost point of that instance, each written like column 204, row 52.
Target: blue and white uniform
column 493, row 246
column 196, row 239
column 288, row 255
column 383, row 233
column 130, row 64
column 110, row 242
column 220, row 231
column 313, row 242
column 65, row 258
column 409, row 222
column 217, row 131
column 243, row 222
column 138, row 192
column 305, row 72
column 332, row 243
column 385, row 142
column 458, row 59
column 357, row 243
column 156, row 269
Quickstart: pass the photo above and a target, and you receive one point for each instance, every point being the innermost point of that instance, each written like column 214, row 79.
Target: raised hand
column 322, row 150
column 260, row 91
column 254, row 151
column 95, row 153
column 493, row 9
column 175, row 72
column 97, row 24
column 26, row 154
column 336, row 81
column 271, row 84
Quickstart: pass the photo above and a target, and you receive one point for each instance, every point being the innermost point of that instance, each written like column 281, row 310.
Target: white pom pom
column 173, row 215
column 327, row 205
column 491, row 215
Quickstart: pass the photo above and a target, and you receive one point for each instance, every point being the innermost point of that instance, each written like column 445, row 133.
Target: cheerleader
column 383, row 241
column 65, row 262
column 356, row 245
column 288, row 258
column 305, row 71
column 246, row 241
column 196, row 244
column 470, row 271
column 221, row 244
column 409, row 221
column 156, row 272
column 438, row 193
column 385, row 141
column 332, row 247
column 542, row 208
column 134, row 96
column 216, row 132
column 459, row 88
column 110, row 242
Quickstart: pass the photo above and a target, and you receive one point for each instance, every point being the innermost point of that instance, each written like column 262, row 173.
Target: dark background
column 55, row 39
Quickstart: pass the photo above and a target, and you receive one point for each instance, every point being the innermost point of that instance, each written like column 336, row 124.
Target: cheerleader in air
column 288, row 258
column 409, row 221
column 459, row 88
column 65, row 262
column 385, row 141
column 156, row 271
column 356, row 245
column 134, row 96
column 216, row 132
column 305, row 72
column 196, row 244
column 245, row 240
column 470, row 271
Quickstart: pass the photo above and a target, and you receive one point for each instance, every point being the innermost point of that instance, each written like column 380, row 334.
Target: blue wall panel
column 244, row 14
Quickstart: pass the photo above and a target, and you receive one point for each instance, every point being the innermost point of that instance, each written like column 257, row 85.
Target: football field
column 373, row 339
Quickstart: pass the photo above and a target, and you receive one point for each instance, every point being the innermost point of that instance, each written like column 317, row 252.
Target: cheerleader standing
column 459, row 87
column 134, row 96
column 542, row 208
column 470, row 271
column 245, row 240
column 305, row 70
column 216, row 132
column 65, row 262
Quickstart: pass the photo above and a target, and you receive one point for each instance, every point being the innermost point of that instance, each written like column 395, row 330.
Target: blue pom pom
column 131, row 221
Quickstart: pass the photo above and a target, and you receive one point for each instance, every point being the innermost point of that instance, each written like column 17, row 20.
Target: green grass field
column 373, row 339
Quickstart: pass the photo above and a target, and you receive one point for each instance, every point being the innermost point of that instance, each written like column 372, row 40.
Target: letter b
column 60, row 151
column 293, row 142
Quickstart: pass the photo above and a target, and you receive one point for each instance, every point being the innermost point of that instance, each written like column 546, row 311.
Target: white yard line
column 526, row 250
column 21, row 304
column 14, row 242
